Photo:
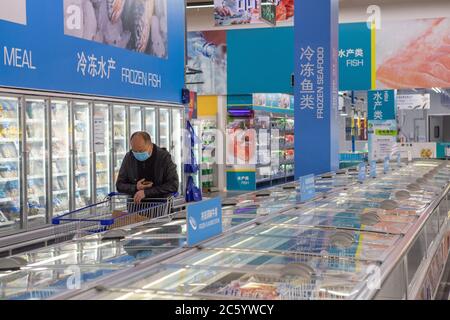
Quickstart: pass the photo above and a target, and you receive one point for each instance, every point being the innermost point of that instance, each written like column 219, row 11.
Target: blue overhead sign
column 381, row 105
column 134, row 49
column 204, row 220
column 316, row 87
column 355, row 56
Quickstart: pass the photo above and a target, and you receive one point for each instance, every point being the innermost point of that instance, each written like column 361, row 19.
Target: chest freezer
column 315, row 241
column 366, row 220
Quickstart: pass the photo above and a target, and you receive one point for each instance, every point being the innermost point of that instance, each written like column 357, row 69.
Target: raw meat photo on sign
column 137, row 25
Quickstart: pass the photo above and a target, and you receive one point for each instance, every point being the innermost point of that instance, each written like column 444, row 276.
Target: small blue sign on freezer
column 307, row 187
column 399, row 160
column 204, row 220
column 373, row 169
column 386, row 165
column 361, row 172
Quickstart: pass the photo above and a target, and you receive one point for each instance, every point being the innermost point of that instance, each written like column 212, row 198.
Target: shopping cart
column 117, row 211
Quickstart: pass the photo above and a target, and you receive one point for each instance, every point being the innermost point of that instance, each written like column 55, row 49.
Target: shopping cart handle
column 56, row 221
column 115, row 194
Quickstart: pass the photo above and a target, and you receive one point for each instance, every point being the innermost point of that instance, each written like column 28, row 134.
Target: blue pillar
column 316, row 86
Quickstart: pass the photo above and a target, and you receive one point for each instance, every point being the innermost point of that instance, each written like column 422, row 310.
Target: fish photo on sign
column 136, row 25
column 413, row 54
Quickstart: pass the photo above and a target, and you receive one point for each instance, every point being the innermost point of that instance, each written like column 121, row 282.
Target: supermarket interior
column 225, row 150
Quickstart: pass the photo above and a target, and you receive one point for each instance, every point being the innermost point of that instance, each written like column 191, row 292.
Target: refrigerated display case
column 82, row 154
column 150, row 122
column 342, row 246
column 48, row 159
column 9, row 164
column 164, row 129
column 121, row 137
column 35, row 125
column 61, row 160
column 103, row 172
column 135, row 119
column 176, row 149
column 273, row 145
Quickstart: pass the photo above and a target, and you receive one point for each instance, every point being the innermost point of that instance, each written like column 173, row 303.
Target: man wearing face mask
column 147, row 171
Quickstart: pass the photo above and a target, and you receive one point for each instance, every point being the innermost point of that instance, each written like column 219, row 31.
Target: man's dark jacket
column 165, row 175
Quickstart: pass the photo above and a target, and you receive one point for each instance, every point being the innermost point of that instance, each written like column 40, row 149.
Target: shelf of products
column 273, row 145
column 207, row 133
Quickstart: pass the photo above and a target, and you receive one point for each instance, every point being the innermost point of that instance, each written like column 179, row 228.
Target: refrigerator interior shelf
column 57, row 192
column 9, row 159
column 8, row 120
column 103, row 186
column 35, row 177
column 60, row 174
column 34, row 121
column 9, row 179
column 6, row 140
column 3, row 200
column 6, row 223
column 102, row 171
column 36, row 216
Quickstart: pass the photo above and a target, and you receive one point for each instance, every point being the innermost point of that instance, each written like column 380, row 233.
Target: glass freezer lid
column 320, row 242
column 42, row 282
column 294, row 281
column 360, row 204
column 353, row 270
column 367, row 220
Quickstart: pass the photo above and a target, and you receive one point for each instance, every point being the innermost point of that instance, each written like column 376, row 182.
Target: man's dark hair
column 144, row 135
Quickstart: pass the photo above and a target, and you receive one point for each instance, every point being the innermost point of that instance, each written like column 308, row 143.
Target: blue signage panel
column 316, row 87
column 204, row 220
column 131, row 50
column 355, row 56
column 373, row 169
column 381, row 105
column 241, row 181
column 386, row 165
column 307, row 187
column 362, row 172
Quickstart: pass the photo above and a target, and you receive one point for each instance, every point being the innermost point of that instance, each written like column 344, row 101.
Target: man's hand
column 141, row 186
column 139, row 196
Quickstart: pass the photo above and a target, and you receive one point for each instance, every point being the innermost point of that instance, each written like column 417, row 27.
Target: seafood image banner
column 413, row 54
column 115, row 48
column 232, row 12
column 207, row 52
column 137, row 25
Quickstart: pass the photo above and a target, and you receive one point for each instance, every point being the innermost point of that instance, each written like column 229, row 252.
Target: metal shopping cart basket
column 117, row 211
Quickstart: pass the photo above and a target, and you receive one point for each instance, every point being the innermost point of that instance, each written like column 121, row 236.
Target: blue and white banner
column 316, row 87
column 204, row 220
column 126, row 49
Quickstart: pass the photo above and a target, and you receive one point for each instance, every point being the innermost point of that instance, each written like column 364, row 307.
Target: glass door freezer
column 60, row 158
column 103, row 165
column 35, row 126
column 82, row 154
column 120, row 137
column 10, row 159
